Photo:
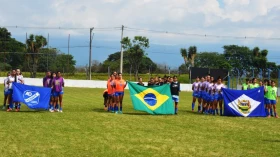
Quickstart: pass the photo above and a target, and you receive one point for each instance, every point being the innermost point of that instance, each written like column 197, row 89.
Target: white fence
column 83, row 83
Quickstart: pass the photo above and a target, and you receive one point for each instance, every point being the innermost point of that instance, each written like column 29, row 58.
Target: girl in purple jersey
column 58, row 84
column 195, row 86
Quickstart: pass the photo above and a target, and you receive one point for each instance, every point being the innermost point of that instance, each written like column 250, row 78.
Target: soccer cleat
column 116, row 112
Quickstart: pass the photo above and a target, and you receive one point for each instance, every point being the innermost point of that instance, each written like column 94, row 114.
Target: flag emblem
column 151, row 98
column 31, row 97
column 244, row 105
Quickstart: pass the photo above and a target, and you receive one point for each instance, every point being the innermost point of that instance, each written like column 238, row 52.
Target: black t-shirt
column 159, row 83
column 150, row 84
column 175, row 88
column 141, row 84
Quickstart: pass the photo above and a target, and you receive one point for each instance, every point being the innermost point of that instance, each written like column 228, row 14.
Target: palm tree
column 184, row 54
column 192, row 54
column 34, row 44
column 264, row 53
column 256, row 52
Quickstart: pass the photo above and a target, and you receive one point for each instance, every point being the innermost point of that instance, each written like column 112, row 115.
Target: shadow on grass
column 274, row 141
column 137, row 113
column 99, row 110
column 27, row 111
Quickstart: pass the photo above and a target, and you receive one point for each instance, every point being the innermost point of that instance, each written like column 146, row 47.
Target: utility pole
column 121, row 65
column 90, row 41
column 47, row 52
column 68, row 53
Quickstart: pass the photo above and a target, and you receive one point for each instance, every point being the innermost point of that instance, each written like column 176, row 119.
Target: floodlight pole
column 90, row 41
column 121, row 64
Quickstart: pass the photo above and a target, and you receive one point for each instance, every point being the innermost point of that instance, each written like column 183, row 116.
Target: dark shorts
column 6, row 92
column 272, row 102
column 119, row 94
column 105, row 95
column 196, row 94
column 56, row 94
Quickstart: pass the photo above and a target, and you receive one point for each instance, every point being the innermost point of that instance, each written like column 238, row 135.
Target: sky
column 172, row 25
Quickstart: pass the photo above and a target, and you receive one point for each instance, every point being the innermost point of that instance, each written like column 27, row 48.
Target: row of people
column 13, row 76
column 270, row 94
column 56, row 82
column 113, row 95
column 208, row 93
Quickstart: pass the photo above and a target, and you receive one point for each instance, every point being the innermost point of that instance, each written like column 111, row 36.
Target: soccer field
column 85, row 129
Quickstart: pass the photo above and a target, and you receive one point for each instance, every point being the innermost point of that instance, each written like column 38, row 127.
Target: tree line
column 32, row 56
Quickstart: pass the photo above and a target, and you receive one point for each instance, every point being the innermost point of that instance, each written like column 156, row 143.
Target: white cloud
column 236, row 17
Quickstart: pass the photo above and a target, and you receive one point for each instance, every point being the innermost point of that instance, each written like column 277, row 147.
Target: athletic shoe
column 268, row 116
column 116, row 112
column 113, row 111
column 51, row 110
column 4, row 108
column 9, row 109
column 276, row 116
column 120, row 112
column 17, row 110
column 60, row 111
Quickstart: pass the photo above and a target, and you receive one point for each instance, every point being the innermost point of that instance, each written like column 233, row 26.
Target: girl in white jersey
column 195, row 86
column 19, row 79
column 6, row 91
column 218, row 95
column 10, row 81
column 200, row 94
column 209, row 107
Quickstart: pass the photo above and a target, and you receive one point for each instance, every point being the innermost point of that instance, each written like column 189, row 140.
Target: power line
column 197, row 35
column 64, row 28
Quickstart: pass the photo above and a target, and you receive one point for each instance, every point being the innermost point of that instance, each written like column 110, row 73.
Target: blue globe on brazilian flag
column 154, row 100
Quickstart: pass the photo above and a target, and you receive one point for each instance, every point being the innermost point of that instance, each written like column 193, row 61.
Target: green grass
column 85, row 129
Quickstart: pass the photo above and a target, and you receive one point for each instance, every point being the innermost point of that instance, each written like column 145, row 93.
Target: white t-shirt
column 210, row 88
column 195, row 86
column 218, row 88
column 11, row 79
column 6, row 86
column 19, row 79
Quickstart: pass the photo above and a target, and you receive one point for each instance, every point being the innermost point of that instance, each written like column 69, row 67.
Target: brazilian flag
column 154, row 100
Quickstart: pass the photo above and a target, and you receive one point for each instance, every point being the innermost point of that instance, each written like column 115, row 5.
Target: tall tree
column 113, row 61
column 11, row 51
column 189, row 55
column 184, row 54
column 34, row 44
column 135, row 50
column 211, row 60
column 239, row 57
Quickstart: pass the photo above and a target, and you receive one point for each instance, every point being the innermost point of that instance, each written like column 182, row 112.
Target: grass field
column 85, row 129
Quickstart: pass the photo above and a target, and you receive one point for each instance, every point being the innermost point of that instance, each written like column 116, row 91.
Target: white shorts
column 175, row 98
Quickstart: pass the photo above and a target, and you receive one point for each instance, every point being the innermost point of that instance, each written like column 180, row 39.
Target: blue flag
column 34, row 97
column 246, row 103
